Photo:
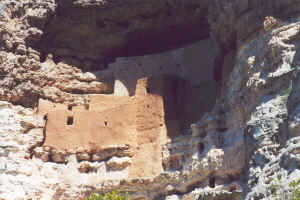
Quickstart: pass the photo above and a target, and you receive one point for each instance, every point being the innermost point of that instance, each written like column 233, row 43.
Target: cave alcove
column 121, row 53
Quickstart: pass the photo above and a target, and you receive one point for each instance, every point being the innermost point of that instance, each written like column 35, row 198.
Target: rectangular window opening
column 70, row 120
column 70, row 107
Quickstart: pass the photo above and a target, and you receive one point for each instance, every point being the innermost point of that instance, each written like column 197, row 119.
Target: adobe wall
column 101, row 123
column 155, row 98
column 193, row 63
column 108, row 120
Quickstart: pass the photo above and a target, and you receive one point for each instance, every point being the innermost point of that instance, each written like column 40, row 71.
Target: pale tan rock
column 33, row 54
column 21, row 49
column 47, row 149
column 83, row 156
column 270, row 22
column 85, row 168
column 58, row 156
column 118, row 163
column 40, row 153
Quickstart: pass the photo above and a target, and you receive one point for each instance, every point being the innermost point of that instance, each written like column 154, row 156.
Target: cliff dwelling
column 139, row 121
column 155, row 98
column 163, row 100
column 162, row 82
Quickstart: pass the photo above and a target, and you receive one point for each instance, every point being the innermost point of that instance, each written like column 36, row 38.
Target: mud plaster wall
column 155, row 96
column 138, row 121
column 89, row 127
column 194, row 63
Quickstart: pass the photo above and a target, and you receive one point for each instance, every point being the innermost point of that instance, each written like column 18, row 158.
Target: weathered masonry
column 156, row 97
column 140, row 121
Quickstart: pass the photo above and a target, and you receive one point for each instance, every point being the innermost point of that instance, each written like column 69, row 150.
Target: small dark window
column 70, row 107
column 212, row 182
column 70, row 120
column 105, row 123
column 148, row 106
column 87, row 106
column 46, row 117
column 43, row 57
column 148, row 90
column 200, row 147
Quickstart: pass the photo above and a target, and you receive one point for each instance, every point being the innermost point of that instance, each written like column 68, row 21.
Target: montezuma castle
column 160, row 99
column 138, row 121
column 149, row 106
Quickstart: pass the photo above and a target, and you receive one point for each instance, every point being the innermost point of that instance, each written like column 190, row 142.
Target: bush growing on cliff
column 278, row 192
column 115, row 195
column 294, row 185
column 286, row 93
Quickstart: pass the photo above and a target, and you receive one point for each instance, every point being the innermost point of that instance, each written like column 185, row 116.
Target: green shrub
column 286, row 93
column 291, row 192
column 115, row 195
column 295, row 190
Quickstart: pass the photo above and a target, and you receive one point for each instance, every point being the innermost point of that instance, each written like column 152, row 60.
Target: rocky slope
column 51, row 50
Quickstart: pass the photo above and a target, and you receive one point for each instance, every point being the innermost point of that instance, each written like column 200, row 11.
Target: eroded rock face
column 25, row 74
column 101, row 30
column 50, row 50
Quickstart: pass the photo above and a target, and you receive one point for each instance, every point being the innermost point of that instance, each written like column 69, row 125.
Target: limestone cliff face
column 170, row 99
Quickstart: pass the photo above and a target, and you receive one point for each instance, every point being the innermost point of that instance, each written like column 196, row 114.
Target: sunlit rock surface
column 228, row 117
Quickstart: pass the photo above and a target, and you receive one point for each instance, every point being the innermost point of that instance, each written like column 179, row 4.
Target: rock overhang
column 103, row 30
column 235, row 21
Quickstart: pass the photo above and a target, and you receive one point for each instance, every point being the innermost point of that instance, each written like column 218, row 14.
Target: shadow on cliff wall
column 184, row 103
